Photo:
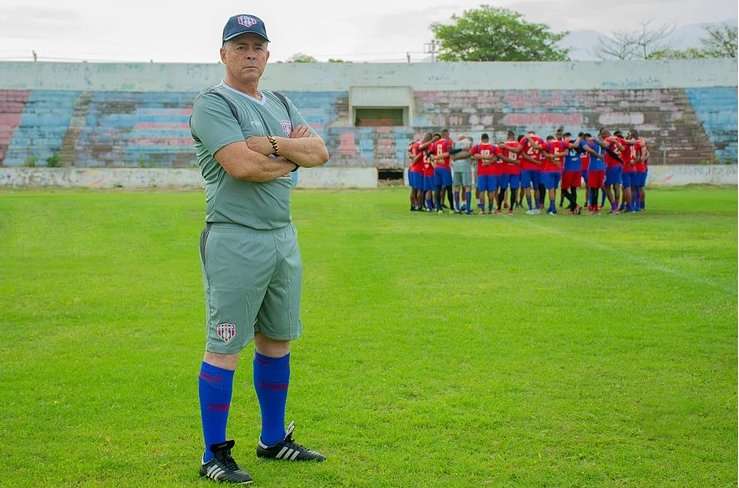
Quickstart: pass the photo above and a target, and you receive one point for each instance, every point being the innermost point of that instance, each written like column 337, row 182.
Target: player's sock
column 468, row 197
column 450, row 197
column 513, row 200
column 456, row 200
column 602, row 198
column 542, row 195
column 429, row 204
column 271, row 379
column 552, row 205
column 214, row 389
column 528, row 201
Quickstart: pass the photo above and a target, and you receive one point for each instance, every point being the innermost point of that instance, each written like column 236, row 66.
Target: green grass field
column 438, row 350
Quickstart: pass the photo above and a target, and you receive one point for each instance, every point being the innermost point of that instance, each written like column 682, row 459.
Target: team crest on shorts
column 287, row 127
column 226, row 331
column 246, row 21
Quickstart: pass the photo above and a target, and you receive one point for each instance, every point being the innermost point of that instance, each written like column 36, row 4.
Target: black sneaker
column 288, row 449
column 223, row 468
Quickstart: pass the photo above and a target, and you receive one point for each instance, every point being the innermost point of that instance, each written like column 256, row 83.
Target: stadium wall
column 135, row 115
column 139, row 178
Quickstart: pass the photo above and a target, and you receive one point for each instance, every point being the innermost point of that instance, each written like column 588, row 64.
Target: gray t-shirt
column 261, row 206
column 462, row 164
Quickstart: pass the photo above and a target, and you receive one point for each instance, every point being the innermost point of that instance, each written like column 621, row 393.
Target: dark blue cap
column 244, row 24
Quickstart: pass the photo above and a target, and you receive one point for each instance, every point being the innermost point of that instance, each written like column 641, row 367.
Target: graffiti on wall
column 109, row 128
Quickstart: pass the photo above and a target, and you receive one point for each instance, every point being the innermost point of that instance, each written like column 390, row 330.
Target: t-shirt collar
column 255, row 100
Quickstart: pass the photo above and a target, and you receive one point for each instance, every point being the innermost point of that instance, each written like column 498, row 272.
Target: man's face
column 245, row 57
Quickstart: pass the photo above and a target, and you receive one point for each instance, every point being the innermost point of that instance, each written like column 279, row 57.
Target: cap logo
column 246, row 20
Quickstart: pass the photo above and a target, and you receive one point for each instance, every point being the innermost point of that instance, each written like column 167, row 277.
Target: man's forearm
column 303, row 151
column 267, row 169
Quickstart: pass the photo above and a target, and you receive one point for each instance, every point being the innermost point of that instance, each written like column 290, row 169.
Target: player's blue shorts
column 639, row 179
column 504, row 181
column 530, row 177
column 428, row 183
column 413, row 180
column 514, row 181
column 550, row 179
column 613, row 175
column 442, row 177
column 627, row 179
column 487, row 183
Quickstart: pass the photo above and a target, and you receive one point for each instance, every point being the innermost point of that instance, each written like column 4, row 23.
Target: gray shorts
column 462, row 177
column 252, row 282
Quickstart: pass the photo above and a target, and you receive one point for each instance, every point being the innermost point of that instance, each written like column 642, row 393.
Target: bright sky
column 189, row 31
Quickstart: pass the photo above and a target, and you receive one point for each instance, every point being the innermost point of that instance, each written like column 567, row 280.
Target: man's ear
column 223, row 55
column 267, row 55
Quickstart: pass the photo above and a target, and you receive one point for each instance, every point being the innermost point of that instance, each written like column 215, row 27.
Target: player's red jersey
column 417, row 157
column 612, row 149
column 511, row 168
column 641, row 166
column 440, row 147
column 532, row 152
column 555, row 162
column 428, row 168
column 629, row 154
column 481, row 150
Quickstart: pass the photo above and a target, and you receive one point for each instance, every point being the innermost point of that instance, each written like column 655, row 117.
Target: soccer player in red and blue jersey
column 530, row 169
column 614, row 168
column 511, row 169
column 551, row 170
column 596, row 169
column 628, row 155
column 441, row 150
column 415, row 172
column 487, row 181
column 641, row 167
column 584, row 164
column 429, row 183
column 572, row 171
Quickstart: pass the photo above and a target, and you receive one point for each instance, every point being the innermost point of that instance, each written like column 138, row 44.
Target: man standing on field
column 248, row 141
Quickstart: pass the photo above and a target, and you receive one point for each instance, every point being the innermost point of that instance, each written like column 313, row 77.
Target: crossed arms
column 249, row 160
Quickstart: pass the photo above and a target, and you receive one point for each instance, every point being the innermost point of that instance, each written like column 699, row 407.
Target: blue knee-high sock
column 468, row 197
column 456, row 200
column 214, row 388
column 271, row 379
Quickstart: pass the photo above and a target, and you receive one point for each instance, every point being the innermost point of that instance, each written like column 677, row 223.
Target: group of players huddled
column 528, row 166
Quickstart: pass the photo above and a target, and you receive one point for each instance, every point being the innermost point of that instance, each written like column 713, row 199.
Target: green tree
column 667, row 53
column 720, row 41
column 497, row 34
column 301, row 58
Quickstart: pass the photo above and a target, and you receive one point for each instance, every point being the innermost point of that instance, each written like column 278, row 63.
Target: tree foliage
column 720, row 41
column 301, row 58
column 496, row 34
column 668, row 53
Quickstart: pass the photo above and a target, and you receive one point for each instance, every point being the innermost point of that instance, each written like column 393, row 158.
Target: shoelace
column 294, row 445
column 228, row 461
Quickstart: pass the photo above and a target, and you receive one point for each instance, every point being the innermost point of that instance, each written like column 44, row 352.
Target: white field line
column 640, row 259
